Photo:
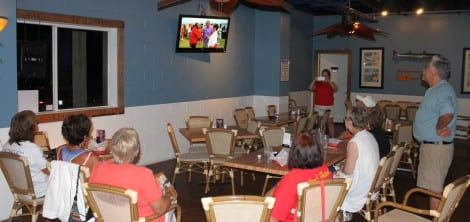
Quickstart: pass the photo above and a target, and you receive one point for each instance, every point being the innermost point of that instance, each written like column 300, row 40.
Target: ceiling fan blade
column 225, row 6
column 271, row 3
column 331, row 31
column 163, row 4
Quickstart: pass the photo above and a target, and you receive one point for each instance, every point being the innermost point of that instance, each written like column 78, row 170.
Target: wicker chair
column 449, row 201
column 241, row 117
column 221, row 147
column 15, row 168
column 237, row 208
column 388, row 189
column 197, row 162
column 111, row 203
column 272, row 137
column 309, row 201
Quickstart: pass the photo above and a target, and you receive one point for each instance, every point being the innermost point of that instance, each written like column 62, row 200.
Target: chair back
column 403, row 104
column 15, row 168
column 452, row 195
column 312, row 121
column 111, row 203
column 41, row 139
column 250, row 111
column 271, row 110
column 220, row 142
column 292, row 105
column 382, row 103
column 198, row 122
column 382, row 173
column 411, row 113
column 309, row 201
column 272, row 136
column 324, row 119
column 403, row 134
column 241, row 117
column 392, row 112
column 253, row 127
column 399, row 150
column 301, row 124
column 174, row 142
column 237, row 208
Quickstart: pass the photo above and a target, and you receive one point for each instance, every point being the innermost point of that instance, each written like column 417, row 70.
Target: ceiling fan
column 350, row 25
column 227, row 6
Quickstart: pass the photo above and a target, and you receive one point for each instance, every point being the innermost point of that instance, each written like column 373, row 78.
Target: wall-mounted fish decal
column 413, row 56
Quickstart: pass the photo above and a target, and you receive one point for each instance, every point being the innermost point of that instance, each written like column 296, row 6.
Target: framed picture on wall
column 466, row 71
column 371, row 68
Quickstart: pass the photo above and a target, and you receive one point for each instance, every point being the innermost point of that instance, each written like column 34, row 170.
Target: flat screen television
column 202, row 33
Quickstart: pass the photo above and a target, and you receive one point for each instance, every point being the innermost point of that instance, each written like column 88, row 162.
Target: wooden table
column 195, row 135
column 252, row 163
column 284, row 119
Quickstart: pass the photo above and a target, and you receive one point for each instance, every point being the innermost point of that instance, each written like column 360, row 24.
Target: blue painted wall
column 155, row 74
column 8, row 66
column 445, row 34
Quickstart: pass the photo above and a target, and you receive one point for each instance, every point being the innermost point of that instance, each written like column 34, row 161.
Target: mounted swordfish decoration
column 413, row 55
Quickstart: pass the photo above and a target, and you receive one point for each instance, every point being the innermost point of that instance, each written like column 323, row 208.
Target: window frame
column 59, row 115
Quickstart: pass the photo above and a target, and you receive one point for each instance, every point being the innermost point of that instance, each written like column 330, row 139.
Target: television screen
column 202, row 33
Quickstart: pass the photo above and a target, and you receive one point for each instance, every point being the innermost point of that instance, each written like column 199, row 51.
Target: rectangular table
column 284, row 119
column 252, row 163
column 195, row 135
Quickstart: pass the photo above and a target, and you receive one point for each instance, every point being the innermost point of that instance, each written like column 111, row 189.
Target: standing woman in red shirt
column 324, row 90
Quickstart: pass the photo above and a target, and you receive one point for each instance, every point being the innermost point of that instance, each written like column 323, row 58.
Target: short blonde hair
column 125, row 145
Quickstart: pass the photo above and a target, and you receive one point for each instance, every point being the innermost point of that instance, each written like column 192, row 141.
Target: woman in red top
column 305, row 163
column 324, row 90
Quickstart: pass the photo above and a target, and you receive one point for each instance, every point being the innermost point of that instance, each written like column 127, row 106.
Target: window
column 72, row 63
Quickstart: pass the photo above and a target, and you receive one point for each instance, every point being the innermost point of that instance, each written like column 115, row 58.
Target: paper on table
column 281, row 157
column 287, row 139
column 333, row 142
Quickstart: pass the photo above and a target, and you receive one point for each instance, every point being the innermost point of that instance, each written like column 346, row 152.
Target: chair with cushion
column 221, row 147
column 449, row 201
column 241, row 117
column 111, row 203
column 272, row 137
column 197, row 162
column 198, row 122
column 315, row 197
column 271, row 110
column 388, row 189
column 374, row 194
column 15, row 168
column 237, row 208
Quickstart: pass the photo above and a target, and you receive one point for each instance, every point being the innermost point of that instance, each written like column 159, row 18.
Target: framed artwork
column 371, row 68
column 466, row 71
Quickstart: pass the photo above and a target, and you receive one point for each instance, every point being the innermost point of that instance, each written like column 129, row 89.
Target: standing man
column 207, row 32
column 434, row 127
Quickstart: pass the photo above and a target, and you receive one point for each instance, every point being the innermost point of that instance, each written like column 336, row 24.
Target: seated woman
column 22, row 128
column 76, row 130
column 121, row 171
column 362, row 161
column 305, row 163
column 374, row 123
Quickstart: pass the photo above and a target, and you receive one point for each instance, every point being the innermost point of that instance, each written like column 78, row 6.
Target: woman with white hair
column 122, row 171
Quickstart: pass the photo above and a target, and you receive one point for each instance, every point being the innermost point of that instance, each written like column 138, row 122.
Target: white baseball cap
column 367, row 100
